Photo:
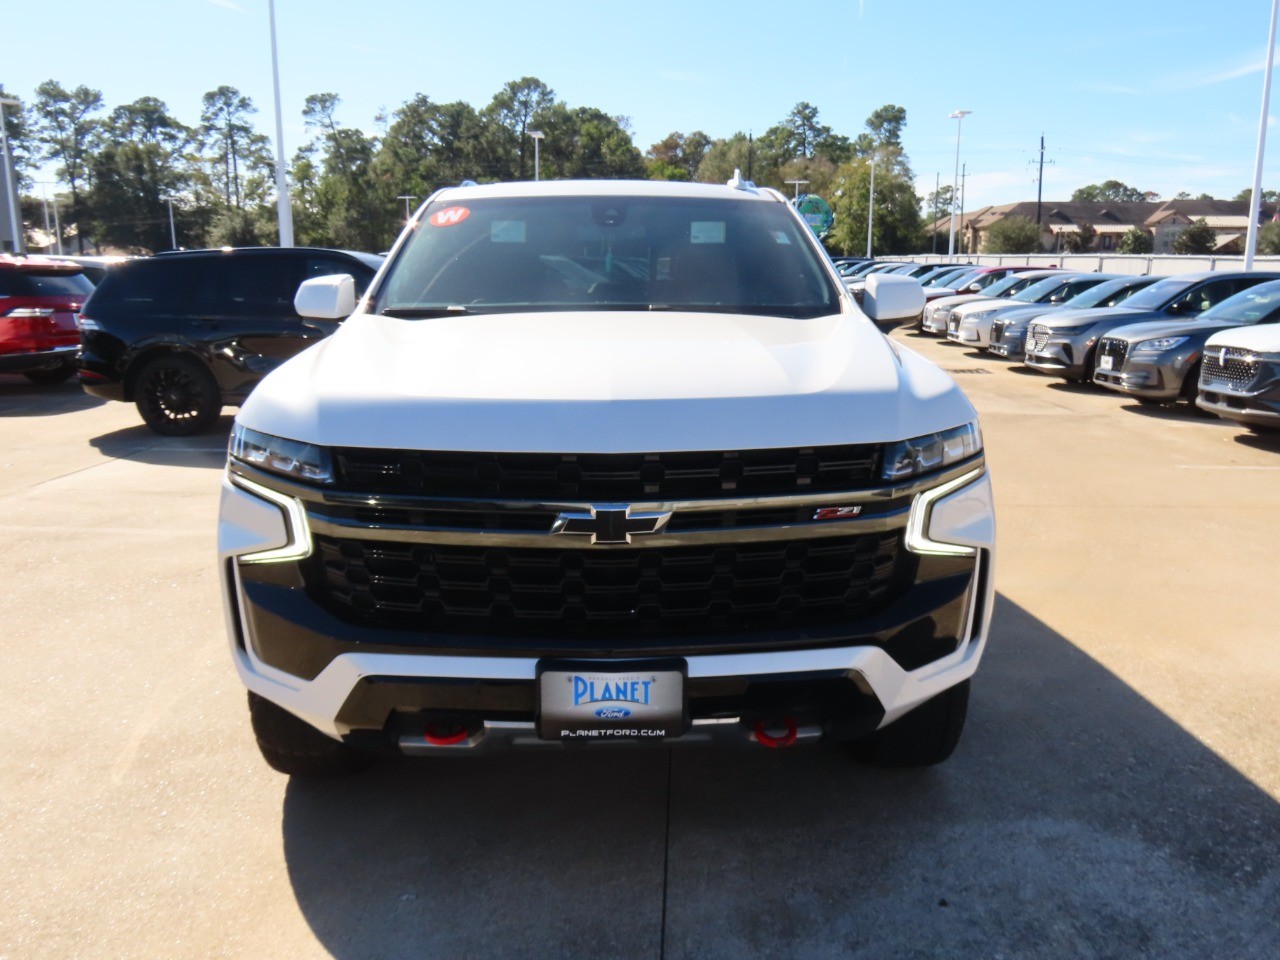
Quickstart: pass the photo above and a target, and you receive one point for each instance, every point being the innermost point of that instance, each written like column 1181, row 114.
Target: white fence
column 1136, row 264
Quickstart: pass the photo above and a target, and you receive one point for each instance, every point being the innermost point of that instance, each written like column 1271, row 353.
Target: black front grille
column 1231, row 367
column 1114, row 348
column 603, row 478
column 577, row 594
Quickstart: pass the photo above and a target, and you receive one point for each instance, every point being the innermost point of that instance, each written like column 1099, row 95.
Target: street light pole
column 284, row 211
column 11, row 193
column 959, row 116
column 871, row 206
column 1255, row 200
column 537, row 136
column 406, row 197
column 798, row 185
column 173, row 234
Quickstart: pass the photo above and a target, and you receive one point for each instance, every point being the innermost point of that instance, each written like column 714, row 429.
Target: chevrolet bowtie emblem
column 610, row 523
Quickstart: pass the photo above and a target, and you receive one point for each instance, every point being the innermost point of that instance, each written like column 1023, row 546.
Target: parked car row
column 1209, row 339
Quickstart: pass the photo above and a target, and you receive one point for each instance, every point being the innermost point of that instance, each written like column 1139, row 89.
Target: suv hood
column 604, row 382
column 1134, row 332
column 1259, row 337
column 1079, row 319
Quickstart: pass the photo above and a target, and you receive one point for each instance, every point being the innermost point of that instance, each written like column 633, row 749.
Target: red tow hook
column 444, row 739
column 777, row 743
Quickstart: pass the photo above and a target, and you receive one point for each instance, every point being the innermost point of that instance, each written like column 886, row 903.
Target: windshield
column 1255, row 305
column 1012, row 283
column 507, row 254
column 957, row 280
column 1105, row 294
column 1158, row 294
column 1039, row 289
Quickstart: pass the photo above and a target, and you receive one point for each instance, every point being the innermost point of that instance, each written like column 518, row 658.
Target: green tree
column 586, row 143
column 139, row 167
column 1268, row 196
column 17, row 128
column 514, row 109
column 1269, row 238
column 896, row 223
column 1136, row 240
column 1080, row 240
column 1195, row 238
column 1111, row 191
column 68, row 134
column 1012, row 235
column 350, row 205
column 677, row 156
column 725, row 155
column 240, row 157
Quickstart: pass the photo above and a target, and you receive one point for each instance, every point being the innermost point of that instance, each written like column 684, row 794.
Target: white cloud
column 227, row 5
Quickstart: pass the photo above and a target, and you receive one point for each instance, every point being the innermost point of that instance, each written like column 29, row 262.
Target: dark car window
column 1158, row 294
column 1109, row 292
column 318, row 266
column 1039, row 291
column 258, row 286
column 1206, row 295
column 145, row 287
column 1258, row 304
column 33, row 283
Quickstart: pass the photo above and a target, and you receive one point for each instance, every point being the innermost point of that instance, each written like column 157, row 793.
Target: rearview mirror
column 326, row 298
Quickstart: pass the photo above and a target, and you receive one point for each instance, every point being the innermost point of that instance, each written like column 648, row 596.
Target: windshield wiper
column 453, row 310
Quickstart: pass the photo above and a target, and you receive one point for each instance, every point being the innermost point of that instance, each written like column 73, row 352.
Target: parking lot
column 1115, row 794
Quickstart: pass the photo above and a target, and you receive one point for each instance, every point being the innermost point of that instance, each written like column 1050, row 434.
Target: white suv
column 606, row 461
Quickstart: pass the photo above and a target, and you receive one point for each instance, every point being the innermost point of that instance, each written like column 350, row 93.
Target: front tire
column 925, row 736
column 177, row 396
column 294, row 747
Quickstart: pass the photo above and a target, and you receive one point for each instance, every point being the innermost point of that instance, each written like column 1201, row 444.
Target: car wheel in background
column 51, row 375
column 177, row 396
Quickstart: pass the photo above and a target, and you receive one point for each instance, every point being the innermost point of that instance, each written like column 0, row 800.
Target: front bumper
column 1154, row 376
column 377, row 686
column 1058, row 354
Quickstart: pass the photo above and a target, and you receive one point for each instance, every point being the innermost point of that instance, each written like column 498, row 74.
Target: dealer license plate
column 1104, row 362
column 586, row 701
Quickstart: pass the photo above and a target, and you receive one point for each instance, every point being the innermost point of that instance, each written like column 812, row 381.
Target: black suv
column 183, row 334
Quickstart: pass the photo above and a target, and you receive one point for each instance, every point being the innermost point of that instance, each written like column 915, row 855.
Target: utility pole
column 1040, row 179
column 750, row 143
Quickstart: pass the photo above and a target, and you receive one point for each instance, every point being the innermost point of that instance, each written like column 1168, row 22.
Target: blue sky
column 1164, row 95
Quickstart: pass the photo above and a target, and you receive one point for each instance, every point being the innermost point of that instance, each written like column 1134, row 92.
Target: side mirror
column 326, row 298
column 974, row 287
column 891, row 301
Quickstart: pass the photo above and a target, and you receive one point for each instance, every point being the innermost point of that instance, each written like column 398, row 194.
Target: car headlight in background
column 289, row 458
column 980, row 315
column 1160, row 343
column 910, row 458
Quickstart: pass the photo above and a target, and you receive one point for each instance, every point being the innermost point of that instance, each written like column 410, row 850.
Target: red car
column 39, row 301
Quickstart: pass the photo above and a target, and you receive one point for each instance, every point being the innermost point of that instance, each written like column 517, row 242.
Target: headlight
column 289, row 458
column 910, row 458
column 980, row 315
column 1160, row 343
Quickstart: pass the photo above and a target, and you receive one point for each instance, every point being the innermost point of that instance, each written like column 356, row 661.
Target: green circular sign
column 817, row 213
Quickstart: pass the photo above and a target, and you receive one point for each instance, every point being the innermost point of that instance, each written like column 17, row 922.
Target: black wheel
column 293, row 746
column 1090, row 365
column 177, row 396
column 1191, row 387
column 51, row 375
column 925, row 736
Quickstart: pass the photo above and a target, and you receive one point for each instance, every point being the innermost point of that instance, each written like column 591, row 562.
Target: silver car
column 1009, row 330
column 938, row 314
column 1066, row 344
column 971, row 325
column 1159, row 362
